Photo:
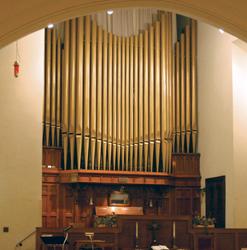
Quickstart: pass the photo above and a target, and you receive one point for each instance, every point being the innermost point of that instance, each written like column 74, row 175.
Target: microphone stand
column 66, row 231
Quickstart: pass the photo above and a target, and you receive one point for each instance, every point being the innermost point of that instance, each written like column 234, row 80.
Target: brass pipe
column 109, row 127
column 127, row 103
column 183, row 91
column 72, row 91
column 119, row 103
column 140, row 100
column 53, row 86
column 44, row 100
column 47, row 86
column 178, row 98
column 146, row 99
column 123, row 138
column 93, row 88
column 58, row 99
column 194, row 85
column 99, row 95
column 135, row 96
column 87, row 89
column 104, row 125
column 79, row 90
column 131, row 108
column 114, row 102
column 172, row 114
column 157, row 109
column 65, row 92
column 188, row 87
column 163, row 94
column 169, row 90
column 151, row 83
column 151, row 97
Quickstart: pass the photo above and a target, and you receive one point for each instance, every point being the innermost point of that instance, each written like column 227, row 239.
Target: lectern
column 54, row 241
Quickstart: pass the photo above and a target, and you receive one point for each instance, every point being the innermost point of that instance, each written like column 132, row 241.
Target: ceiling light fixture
column 221, row 31
column 109, row 12
column 50, row 25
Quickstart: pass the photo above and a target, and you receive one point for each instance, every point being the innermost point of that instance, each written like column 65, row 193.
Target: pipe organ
column 120, row 103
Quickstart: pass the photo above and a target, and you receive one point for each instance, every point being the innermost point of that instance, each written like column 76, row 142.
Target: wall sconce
column 150, row 204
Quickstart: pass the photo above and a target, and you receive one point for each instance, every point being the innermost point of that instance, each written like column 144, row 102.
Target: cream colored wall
column 20, row 140
column 239, row 129
column 215, row 110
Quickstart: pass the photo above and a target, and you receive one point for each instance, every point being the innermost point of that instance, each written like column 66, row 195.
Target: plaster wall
column 20, row 140
column 215, row 110
column 239, row 63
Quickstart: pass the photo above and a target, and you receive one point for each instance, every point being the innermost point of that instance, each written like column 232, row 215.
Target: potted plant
column 203, row 221
column 106, row 221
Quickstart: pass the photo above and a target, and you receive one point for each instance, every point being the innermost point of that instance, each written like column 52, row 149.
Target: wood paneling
column 52, row 156
column 219, row 239
column 187, row 201
column 50, row 205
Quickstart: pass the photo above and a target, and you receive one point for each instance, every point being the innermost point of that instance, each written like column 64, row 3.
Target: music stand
column 54, row 241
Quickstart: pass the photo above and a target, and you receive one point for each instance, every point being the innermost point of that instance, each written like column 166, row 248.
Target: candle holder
column 174, row 243
column 154, row 227
column 137, row 244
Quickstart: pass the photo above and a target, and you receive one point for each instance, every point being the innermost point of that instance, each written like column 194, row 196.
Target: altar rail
column 124, row 236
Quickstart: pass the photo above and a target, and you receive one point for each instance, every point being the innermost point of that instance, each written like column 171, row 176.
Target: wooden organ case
column 120, row 111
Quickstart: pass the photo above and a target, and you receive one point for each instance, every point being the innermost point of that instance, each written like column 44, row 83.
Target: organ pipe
column 145, row 98
column 120, row 103
column 53, row 87
column 93, row 102
column 127, row 125
column 99, row 96
column 131, row 105
column 183, row 91
column 140, row 103
column 47, row 98
column 114, row 103
column 194, row 85
column 65, row 92
column 109, row 99
column 58, row 91
column 86, row 91
column 178, row 97
column 188, row 88
column 72, row 61
column 157, row 95
column 79, row 89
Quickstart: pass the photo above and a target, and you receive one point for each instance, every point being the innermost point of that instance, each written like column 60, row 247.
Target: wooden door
column 215, row 200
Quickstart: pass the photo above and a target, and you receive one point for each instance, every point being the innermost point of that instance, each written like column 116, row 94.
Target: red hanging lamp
column 16, row 63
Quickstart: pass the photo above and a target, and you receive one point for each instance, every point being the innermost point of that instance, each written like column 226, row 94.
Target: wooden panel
column 52, row 157
column 187, row 201
column 50, row 205
column 225, row 241
column 186, row 164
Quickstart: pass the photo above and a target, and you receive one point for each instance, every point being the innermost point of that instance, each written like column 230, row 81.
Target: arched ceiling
column 19, row 18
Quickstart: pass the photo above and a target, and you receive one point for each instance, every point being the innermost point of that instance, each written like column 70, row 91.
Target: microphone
column 67, row 228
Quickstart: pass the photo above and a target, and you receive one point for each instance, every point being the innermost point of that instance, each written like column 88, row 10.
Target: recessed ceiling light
column 221, row 31
column 50, row 25
column 109, row 12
